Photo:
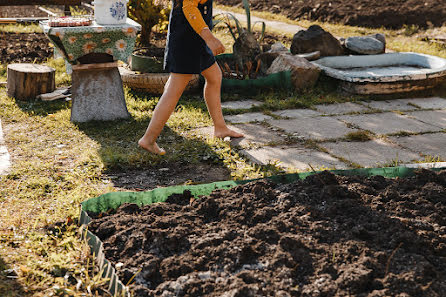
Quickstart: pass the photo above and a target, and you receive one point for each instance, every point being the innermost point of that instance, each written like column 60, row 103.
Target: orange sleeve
column 193, row 15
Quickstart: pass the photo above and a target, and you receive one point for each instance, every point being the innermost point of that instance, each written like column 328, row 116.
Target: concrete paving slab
column 320, row 128
column 388, row 123
column 341, row 108
column 388, row 105
column 5, row 162
column 247, row 118
column 297, row 113
column 255, row 135
column 426, row 165
column 371, row 153
column 433, row 117
column 430, row 103
column 427, row 144
column 294, row 158
column 242, row 104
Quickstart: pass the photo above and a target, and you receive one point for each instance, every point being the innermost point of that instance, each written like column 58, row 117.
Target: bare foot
column 227, row 133
column 151, row 147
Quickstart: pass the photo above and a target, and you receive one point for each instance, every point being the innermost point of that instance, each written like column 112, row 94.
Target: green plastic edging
column 279, row 80
column 113, row 200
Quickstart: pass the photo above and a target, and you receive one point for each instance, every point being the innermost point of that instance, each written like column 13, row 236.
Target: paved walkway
column 276, row 25
column 343, row 135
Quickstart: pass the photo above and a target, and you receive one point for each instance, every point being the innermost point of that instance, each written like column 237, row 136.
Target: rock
column 364, row 45
column 316, row 39
column 311, row 56
column 266, row 59
column 278, row 47
column 303, row 74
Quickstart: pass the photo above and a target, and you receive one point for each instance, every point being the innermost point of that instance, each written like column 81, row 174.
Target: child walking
column 191, row 49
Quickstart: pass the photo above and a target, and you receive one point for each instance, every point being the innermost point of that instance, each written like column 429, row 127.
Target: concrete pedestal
column 97, row 93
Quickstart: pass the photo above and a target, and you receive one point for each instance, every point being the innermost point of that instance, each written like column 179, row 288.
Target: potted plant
column 241, row 70
column 148, row 13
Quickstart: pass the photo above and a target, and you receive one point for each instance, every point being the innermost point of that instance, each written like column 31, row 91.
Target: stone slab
column 341, row 108
column 388, row 123
column 388, row 105
column 319, row 128
column 426, row 165
column 430, row 103
column 427, row 144
column 5, row 162
column 433, row 117
column 249, row 117
column 297, row 113
column 294, row 158
column 242, row 104
column 373, row 153
column 255, row 135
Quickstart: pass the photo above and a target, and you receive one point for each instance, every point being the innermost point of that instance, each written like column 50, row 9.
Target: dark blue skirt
column 186, row 52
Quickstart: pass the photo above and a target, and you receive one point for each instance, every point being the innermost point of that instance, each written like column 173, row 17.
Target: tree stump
column 26, row 81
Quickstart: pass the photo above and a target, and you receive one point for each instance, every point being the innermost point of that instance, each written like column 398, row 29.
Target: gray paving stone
column 341, row 108
column 427, row 144
column 247, row 117
column 426, row 165
column 297, row 113
column 320, row 128
column 5, row 162
column 387, row 123
column 242, row 104
column 294, row 157
column 430, row 103
column 371, row 153
column 434, row 117
column 388, row 105
column 255, row 135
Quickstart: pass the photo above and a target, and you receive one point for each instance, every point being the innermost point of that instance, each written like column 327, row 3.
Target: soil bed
column 24, row 48
column 366, row 13
column 327, row 235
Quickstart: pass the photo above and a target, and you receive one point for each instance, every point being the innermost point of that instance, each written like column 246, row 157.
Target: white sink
column 385, row 73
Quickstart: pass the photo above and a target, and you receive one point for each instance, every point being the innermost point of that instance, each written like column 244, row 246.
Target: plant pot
column 144, row 63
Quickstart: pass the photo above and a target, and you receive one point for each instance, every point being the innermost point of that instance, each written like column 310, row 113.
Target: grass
column 57, row 164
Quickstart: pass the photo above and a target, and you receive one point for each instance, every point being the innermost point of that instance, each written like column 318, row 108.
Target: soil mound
column 24, row 48
column 386, row 13
column 326, row 235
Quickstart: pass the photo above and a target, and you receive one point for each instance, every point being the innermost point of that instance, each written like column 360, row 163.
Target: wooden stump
column 26, row 81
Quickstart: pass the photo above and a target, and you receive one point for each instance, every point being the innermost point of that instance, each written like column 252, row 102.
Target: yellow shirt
column 193, row 15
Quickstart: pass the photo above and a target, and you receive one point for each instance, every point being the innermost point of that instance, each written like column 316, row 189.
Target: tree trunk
column 26, row 81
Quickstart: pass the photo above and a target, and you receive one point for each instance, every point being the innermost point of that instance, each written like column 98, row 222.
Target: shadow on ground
column 188, row 161
column 9, row 285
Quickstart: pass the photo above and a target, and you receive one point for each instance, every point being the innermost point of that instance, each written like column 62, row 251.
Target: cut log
column 26, row 81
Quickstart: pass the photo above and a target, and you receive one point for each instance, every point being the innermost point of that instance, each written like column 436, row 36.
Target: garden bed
column 377, row 14
column 327, row 235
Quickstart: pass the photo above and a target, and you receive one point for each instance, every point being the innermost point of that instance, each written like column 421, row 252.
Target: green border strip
column 115, row 199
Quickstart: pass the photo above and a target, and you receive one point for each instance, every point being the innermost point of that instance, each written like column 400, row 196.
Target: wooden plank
column 39, row 2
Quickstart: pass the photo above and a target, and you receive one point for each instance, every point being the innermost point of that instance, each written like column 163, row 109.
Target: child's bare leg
column 212, row 89
column 172, row 93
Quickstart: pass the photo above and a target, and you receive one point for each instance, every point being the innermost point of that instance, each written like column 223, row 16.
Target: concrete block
column 293, row 158
column 387, row 123
column 373, row 153
column 319, row 128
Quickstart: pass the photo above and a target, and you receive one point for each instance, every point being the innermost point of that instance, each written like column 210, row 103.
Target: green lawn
column 57, row 164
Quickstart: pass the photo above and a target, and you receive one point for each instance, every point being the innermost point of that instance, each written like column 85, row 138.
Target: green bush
column 148, row 13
